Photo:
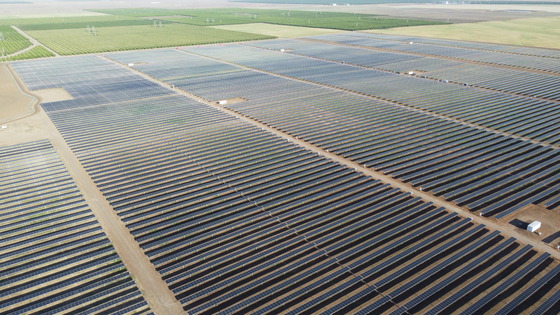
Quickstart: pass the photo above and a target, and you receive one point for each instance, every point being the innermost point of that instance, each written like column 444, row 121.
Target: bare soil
column 233, row 100
column 281, row 31
column 458, row 13
column 31, row 128
column 15, row 103
column 550, row 223
column 53, row 95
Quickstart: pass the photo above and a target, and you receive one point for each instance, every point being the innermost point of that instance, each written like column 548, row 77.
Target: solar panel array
column 476, row 168
column 531, row 58
column 490, row 77
column 477, row 46
column 54, row 256
column 520, row 115
column 101, row 84
column 238, row 220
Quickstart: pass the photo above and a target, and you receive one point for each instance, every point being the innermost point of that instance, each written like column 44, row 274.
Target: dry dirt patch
column 53, row 95
column 534, row 32
column 24, row 130
column 231, row 101
column 550, row 222
column 14, row 102
column 281, row 31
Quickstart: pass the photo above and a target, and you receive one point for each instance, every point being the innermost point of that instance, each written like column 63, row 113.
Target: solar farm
column 342, row 173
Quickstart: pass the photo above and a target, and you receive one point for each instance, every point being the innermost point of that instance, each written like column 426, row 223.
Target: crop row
column 11, row 41
column 35, row 52
column 84, row 24
column 64, row 21
column 80, row 41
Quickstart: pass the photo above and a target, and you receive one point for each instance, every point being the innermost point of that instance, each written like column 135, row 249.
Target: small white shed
column 535, row 225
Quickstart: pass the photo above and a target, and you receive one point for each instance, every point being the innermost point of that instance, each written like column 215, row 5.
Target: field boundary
column 34, row 43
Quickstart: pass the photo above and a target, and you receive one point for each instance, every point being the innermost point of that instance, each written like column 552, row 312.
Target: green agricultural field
column 142, row 12
column 36, row 24
column 127, row 29
column 80, row 41
column 11, row 41
column 318, row 19
column 536, row 32
column 281, row 31
column 60, row 22
column 84, row 25
column 35, row 52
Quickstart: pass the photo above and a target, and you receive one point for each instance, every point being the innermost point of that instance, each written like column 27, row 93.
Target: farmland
column 35, row 52
column 317, row 19
column 280, row 31
column 353, row 2
column 68, row 21
column 11, row 41
column 130, row 29
column 80, row 41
